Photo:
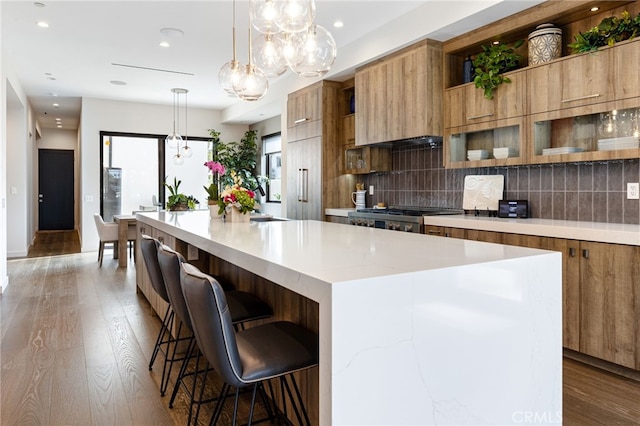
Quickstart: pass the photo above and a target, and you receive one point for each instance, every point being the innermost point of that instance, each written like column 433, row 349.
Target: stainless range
column 406, row 219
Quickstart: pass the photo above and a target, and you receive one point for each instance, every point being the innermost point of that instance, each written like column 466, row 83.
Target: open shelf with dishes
column 600, row 132
column 497, row 143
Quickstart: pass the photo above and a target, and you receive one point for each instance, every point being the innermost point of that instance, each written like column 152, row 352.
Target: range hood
column 433, row 141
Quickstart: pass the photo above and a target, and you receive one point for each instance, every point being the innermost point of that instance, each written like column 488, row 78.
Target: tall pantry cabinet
column 313, row 156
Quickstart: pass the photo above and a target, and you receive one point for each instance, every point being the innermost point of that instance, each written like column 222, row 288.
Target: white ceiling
column 75, row 56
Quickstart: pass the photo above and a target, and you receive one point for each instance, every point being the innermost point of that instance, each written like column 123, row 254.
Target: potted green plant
column 610, row 30
column 239, row 156
column 492, row 62
column 177, row 201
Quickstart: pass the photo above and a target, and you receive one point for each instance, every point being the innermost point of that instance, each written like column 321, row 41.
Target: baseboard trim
column 610, row 367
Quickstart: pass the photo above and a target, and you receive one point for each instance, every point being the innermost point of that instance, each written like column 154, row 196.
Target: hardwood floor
column 76, row 340
column 50, row 243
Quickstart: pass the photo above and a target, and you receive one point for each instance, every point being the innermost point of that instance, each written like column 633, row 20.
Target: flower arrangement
column 237, row 196
column 217, row 170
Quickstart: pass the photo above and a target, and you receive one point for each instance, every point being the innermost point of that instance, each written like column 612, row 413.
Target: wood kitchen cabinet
column 314, row 155
column 575, row 80
column 610, row 302
column 600, row 294
column 443, row 231
column 400, row 96
column 466, row 104
column 562, row 100
column 304, row 179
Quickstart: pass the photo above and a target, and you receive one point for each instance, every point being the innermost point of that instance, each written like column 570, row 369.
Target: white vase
column 213, row 211
column 236, row 216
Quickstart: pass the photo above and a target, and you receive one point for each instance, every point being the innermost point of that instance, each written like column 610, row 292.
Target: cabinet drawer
column 304, row 130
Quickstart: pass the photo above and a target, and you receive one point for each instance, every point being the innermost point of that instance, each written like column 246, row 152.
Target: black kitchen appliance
column 406, row 219
column 513, row 208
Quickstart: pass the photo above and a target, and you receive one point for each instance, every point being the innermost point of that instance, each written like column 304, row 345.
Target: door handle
column 572, row 252
column 581, row 98
column 304, row 193
column 585, row 253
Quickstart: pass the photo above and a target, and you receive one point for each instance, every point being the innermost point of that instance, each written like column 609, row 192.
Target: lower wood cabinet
column 442, row 231
column 600, row 293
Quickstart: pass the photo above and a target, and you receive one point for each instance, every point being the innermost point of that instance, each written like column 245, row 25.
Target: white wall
column 4, row 278
column 102, row 115
column 17, row 186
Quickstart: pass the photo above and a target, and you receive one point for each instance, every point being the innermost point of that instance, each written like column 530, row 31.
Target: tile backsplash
column 591, row 192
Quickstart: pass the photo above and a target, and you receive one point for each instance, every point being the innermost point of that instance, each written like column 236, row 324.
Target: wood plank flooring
column 76, row 340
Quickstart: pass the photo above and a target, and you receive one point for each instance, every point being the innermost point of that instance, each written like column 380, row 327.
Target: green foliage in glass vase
column 610, row 31
column 491, row 63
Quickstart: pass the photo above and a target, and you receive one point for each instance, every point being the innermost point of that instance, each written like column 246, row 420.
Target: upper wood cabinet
column 304, row 105
column 466, row 104
column 572, row 81
column 400, row 96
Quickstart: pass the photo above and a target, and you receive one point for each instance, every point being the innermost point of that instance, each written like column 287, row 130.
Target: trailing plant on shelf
column 492, row 62
column 610, row 31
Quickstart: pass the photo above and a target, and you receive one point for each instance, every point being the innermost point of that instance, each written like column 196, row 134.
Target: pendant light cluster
column 174, row 140
column 288, row 40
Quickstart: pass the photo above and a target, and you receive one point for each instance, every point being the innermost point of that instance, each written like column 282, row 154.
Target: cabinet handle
column 433, row 232
column 303, row 182
column 572, row 252
column 475, row 117
column 161, row 239
column 143, row 230
column 300, row 120
column 595, row 95
column 585, row 253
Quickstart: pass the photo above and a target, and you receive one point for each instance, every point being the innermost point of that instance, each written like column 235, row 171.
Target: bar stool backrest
column 211, row 321
column 169, row 261
column 149, row 247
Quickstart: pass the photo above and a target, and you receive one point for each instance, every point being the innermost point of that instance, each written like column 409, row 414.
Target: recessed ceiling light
column 51, row 78
column 496, row 42
column 59, row 126
column 58, row 119
column 164, row 44
column 56, row 105
column 171, row 32
column 338, row 24
column 54, row 94
column 118, row 83
column 42, row 24
column 38, row 4
column 595, row 9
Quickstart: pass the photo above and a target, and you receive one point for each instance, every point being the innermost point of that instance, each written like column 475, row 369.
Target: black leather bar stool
column 248, row 357
column 164, row 339
column 244, row 307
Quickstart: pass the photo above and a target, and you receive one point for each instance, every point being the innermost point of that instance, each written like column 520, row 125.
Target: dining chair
column 108, row 233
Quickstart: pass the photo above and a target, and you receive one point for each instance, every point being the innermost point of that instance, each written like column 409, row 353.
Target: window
column 272, row 166
column 134, row 167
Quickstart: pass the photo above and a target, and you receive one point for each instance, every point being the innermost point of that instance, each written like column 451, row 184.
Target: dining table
column 123, row 221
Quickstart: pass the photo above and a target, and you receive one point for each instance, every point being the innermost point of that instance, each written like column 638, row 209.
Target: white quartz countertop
column 338, row 212
column 615, row 233
column 325, row 251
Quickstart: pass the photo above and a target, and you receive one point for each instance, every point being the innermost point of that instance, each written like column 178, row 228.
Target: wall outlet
column 88, row 198
column 370, row 189
column 192, row 252
column 633, row 191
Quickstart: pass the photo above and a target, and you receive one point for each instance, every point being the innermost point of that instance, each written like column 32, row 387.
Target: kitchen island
column 413, row 329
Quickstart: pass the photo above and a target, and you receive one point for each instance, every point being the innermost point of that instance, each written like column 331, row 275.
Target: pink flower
column 251, row 193
column 215, row 167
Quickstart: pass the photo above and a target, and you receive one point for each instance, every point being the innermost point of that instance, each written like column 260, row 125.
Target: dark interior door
column 55, row 189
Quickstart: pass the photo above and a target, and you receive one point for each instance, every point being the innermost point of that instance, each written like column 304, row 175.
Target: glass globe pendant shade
column 315, row 52
column 252, row 84
column 294, row 16
column 267, row 55
column 229, row 74
column 173, row 140
column 178, row 160
column 186, row 151
column 263, row 14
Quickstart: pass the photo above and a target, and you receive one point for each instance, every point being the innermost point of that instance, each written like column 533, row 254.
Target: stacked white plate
column 477, row 154
column 505, row 152
column 561, row 150
column 612, row 144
